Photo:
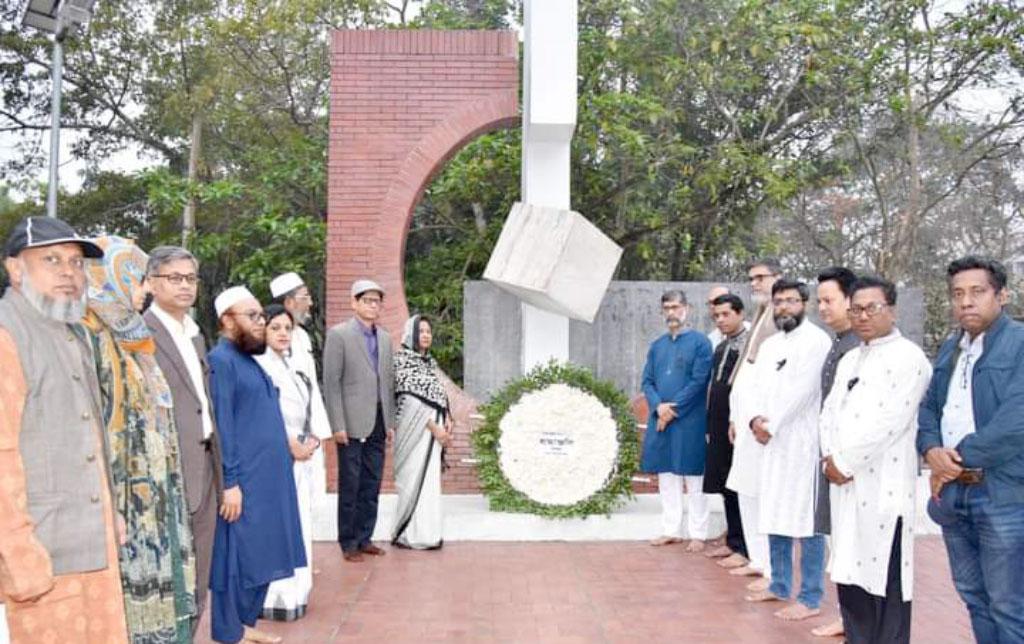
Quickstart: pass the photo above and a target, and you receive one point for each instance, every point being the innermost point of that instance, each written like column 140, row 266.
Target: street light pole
column 57, row 80
column 58, row 17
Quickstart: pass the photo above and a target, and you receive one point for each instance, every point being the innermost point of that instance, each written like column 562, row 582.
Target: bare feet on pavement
column 253, row 635
column 759, row 584
column 764, row 596
column 796, row 612
column 720, row 551
column 665, row 541
column 745, row 571
column 832, row 629
column 695, row 545
column 733, row 561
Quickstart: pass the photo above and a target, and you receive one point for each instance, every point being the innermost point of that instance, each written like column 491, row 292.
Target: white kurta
column 289, row 596
column 745, row 472
column 788, row 395
column 869, row 430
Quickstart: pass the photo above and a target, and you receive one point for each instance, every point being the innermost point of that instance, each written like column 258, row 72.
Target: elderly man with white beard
column 744, row 475
column 867, row 439
column 59, row 542
column 784, row 418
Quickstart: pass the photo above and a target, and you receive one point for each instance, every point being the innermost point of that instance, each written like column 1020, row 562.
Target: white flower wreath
column 558, row 445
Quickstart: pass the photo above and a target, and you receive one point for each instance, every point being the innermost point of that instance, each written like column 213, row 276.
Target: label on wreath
column 558, row 445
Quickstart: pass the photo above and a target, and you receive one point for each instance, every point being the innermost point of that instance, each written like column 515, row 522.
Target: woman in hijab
column 306, row 421
column 157, row 561
column 424, row 430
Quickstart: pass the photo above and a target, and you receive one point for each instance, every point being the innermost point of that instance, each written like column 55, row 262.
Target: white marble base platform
column 467, row 518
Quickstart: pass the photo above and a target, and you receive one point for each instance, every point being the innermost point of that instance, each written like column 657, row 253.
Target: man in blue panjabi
column 259, row 537
column 675, row 384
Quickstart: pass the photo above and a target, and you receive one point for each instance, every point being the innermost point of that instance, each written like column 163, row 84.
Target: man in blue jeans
column 783, row 417
column 971, row 433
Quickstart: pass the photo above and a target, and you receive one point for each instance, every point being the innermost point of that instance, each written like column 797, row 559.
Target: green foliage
column 502, row 497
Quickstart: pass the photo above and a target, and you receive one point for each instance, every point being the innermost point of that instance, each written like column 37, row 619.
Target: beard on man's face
column 787, row 322
column 248, row 342
column 64, row 309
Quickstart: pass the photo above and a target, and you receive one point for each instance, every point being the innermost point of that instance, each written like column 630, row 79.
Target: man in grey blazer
column 359, row 390
column 172, row 277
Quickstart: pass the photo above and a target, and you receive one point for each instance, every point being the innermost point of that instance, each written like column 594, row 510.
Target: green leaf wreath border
column 502, row 497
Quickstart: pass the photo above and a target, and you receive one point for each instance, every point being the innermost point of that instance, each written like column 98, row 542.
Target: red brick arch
column 402, row 103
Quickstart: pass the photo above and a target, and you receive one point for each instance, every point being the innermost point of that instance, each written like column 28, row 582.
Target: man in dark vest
column 59, row 537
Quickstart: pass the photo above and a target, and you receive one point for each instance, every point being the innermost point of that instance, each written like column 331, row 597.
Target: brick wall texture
column 402, row 103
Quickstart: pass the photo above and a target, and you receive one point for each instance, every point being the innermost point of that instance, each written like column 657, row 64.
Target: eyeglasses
column 788, row 301
column 54, row 263
column 254, row 316
column 871, row 310
column 178, row 279
column 372, row 301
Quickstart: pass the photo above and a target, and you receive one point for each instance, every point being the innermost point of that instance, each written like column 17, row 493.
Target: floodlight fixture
column 57, row 17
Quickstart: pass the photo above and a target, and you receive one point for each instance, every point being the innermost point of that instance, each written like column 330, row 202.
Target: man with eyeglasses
column 868, row 427
column 291, row 292
column 675, row 384
column 971, row 433
column 744, row 475
column 59, row 543
column 783, row 417
column 172, row 277
column 259, row 536
column 359, row 389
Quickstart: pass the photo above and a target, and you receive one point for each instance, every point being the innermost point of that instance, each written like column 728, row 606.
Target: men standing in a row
column 833, row 310
column 745, row 473
column 172, row 276
column 727, row 312
column 359, row 387
column 259, row 536
column 59, row 573
column 971, row 433
column 784, row 418
column 675, row 383
column 867, row 441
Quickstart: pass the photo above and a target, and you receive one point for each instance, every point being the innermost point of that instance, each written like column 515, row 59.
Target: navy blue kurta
column 677, row 370
column 265, row 543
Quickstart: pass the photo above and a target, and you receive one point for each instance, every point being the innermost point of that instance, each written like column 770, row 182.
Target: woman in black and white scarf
column 424, row 429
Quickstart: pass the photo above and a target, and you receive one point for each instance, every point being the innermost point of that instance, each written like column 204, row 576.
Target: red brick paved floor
column 571, row 592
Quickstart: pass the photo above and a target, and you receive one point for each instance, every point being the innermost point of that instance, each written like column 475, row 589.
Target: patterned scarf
column 416, row 373
column 157, row 562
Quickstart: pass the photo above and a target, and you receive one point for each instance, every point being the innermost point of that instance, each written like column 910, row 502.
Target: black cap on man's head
column 35, row 232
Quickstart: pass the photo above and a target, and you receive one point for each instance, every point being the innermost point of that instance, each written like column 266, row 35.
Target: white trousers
column 757, row 543
column 5, row 637
column 670, row 490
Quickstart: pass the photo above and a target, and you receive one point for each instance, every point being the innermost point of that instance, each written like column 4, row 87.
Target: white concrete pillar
column 549, row 119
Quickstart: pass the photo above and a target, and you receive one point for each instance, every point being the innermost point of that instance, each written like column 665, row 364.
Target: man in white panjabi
column 744, row 475
column 868, row 428
column 784, row 418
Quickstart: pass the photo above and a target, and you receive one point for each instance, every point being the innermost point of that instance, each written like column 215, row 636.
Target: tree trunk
column 188, row 218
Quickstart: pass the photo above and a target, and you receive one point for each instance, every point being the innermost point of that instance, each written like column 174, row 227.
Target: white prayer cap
column 285, row 283
column 361, row 286
column 229, row 298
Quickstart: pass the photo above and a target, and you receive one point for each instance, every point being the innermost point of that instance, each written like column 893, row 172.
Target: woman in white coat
column 306, row 422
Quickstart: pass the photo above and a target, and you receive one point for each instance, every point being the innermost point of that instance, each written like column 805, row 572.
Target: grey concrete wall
column 615, row 345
